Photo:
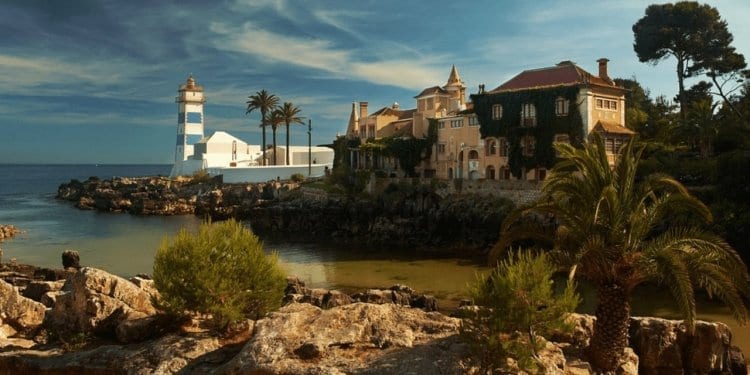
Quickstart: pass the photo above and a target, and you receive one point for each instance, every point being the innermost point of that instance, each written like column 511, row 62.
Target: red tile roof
column 565, row 73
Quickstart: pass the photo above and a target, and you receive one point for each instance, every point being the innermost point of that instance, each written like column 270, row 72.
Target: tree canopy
column 695, row 35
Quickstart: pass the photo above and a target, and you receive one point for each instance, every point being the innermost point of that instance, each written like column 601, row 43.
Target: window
column 491, row 147
column 561, row 106
column 457, row 123
column 607, row 104
column 541, row 174
column 473, row 155
column 473, row 120
column 562, row 138
column 528, row 115
column 528, row 146
column 441, row 148
column 430, row 103
column 503, row 146
column 609, row 145
column 497, row 112
column 441, row 124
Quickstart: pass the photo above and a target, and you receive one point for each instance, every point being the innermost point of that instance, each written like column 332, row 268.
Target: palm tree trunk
column 610, row 336
column 273, row 129
column 287, row 143
column 263, row 147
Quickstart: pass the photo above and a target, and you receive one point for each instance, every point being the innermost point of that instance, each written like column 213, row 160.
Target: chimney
column 603, row 68
column 362, row 110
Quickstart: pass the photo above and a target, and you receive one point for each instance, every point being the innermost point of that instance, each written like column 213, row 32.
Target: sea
column 125, row 245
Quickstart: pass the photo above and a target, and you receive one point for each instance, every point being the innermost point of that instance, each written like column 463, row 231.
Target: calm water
column 125, row 245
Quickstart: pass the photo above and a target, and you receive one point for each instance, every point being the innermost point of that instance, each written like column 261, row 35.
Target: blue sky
column 86, row 81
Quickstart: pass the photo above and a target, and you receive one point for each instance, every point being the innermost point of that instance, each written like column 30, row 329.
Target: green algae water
column 125, row 245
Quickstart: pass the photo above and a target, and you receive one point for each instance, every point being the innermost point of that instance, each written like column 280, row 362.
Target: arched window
column 473, row 155
column 503, row 146
column 491, row 147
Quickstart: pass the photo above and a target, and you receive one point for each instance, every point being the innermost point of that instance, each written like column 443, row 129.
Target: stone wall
column 518, row 191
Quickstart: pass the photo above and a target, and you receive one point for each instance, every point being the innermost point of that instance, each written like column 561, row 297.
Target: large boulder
column 21, row 313
column 170, row 354
column 356, row 338
column 666, row 347
column 93, row 300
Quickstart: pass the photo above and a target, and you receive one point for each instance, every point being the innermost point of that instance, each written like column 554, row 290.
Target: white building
column 226, row 155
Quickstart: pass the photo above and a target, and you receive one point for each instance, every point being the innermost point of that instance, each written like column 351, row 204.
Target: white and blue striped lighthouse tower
column 190, row 119
column 189, row 101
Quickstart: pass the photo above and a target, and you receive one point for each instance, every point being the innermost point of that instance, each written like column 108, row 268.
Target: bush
column 222, row 270
column 200, row 177
column 297, row 177
column 518, row 306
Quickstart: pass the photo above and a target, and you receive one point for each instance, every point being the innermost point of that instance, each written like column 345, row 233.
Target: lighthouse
column 190, row 119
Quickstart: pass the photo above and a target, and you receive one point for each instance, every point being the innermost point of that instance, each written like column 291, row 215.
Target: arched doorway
column 490, row 172
column 450, row 173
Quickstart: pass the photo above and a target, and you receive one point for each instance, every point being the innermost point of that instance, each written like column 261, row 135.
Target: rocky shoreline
column 86, row 321
column 401, row 216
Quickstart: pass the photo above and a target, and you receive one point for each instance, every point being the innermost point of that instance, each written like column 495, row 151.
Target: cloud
column 323, row 55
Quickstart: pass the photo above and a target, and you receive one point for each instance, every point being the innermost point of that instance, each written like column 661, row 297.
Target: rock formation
column 95, row 301
column 333, row 333
column 401, row 216
column 8, row 231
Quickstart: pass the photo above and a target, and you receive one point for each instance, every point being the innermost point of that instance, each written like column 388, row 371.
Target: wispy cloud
column 323, row 55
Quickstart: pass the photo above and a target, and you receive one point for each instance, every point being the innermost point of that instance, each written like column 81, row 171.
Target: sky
column 89, row 81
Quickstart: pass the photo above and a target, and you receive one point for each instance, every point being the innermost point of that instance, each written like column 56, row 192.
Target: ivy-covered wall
column 547, row 122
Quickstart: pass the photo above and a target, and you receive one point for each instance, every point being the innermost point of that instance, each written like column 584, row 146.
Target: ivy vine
column 409, row 151
column 548, row 123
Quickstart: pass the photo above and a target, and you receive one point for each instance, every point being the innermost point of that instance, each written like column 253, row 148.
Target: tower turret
column 457, row 90
column 190, row 118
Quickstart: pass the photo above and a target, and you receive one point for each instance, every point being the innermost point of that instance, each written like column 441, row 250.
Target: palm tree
column 616, row 232
column 265, row 103
column 275, row 120
column 289, row 113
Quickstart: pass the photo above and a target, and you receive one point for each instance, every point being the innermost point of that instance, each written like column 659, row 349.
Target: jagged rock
column 314, row 296
column 736, row 361
column 20, row 312
column 96, row 301
column 665, row 346
column 425, row 302
column 36, row 289
column 147, row 285
column 334, row 298
column 195, row 354
column 71, row 259
column 294, row 285
column 355, row 338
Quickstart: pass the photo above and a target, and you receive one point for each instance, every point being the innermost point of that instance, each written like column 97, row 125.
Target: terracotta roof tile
column 565, row 73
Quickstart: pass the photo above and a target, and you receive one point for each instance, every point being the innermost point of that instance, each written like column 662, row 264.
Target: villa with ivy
column 501, row 134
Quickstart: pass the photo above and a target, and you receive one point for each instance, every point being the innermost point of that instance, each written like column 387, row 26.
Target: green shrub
column 222, row 270
column 297, row 177
column 200, row 177
column 517, row 306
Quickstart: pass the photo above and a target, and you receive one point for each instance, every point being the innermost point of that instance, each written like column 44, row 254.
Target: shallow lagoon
column 125, row 245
